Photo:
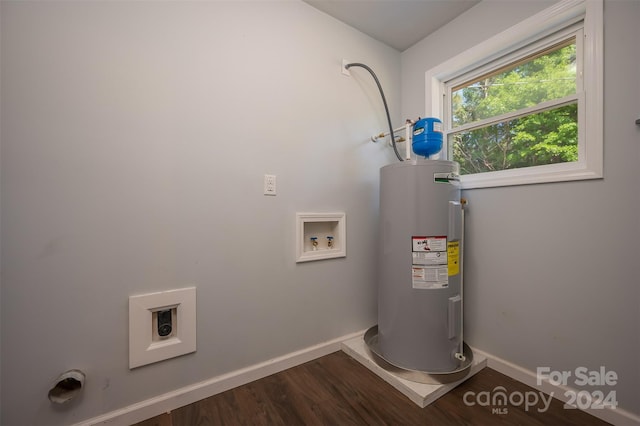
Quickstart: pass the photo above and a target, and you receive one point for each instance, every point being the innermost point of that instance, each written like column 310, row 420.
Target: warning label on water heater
column 429, row 266
column 453, row 255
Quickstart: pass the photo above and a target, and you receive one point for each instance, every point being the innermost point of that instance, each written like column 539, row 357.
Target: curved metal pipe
column 384, row 101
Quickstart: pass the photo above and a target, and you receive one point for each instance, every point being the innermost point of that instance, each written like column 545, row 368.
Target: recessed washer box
column 161, row 326
column 320, row 236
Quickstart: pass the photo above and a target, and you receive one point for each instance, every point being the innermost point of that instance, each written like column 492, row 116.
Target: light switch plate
column 269, row 184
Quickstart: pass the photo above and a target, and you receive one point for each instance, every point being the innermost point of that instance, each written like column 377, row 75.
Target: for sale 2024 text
column 582, row 376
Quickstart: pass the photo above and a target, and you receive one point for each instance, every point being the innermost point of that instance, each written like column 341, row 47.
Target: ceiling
column 397, row 23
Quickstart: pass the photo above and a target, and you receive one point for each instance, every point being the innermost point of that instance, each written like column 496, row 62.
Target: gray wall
column 135, row 136
column 134, row 140
column 551, row 274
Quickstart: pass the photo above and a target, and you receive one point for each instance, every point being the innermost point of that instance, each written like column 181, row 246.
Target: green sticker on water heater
column 446, row 177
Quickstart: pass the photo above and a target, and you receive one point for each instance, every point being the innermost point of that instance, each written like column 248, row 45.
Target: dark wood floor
column 337, row 390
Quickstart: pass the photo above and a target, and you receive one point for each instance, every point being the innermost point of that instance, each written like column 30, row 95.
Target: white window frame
column 559, row 18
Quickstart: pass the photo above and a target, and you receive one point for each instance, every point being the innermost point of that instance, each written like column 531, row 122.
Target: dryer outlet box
column 161, row 326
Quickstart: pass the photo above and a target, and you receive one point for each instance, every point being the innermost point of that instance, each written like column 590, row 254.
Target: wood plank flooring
column 337, row 390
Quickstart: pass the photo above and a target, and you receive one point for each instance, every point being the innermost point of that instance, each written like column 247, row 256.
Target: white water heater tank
column 419, row 269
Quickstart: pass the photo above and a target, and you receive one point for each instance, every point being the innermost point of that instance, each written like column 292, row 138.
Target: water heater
column 419, row 267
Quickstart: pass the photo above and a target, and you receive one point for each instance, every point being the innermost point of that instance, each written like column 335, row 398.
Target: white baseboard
column 615, row 416
column 187, row 395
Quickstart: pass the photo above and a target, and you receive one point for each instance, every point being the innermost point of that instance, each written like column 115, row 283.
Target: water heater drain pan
column 433, row 378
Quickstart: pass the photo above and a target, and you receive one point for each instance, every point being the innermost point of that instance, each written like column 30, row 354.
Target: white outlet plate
column 144, row 345
column 269, row 184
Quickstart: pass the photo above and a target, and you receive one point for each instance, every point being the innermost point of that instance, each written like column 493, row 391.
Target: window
column 515, row 107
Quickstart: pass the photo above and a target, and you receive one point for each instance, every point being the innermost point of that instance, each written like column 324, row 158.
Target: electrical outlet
column 269, row 184
column 344, row 69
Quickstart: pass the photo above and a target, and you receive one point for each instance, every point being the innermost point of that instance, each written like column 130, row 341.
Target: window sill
column 531, row 175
